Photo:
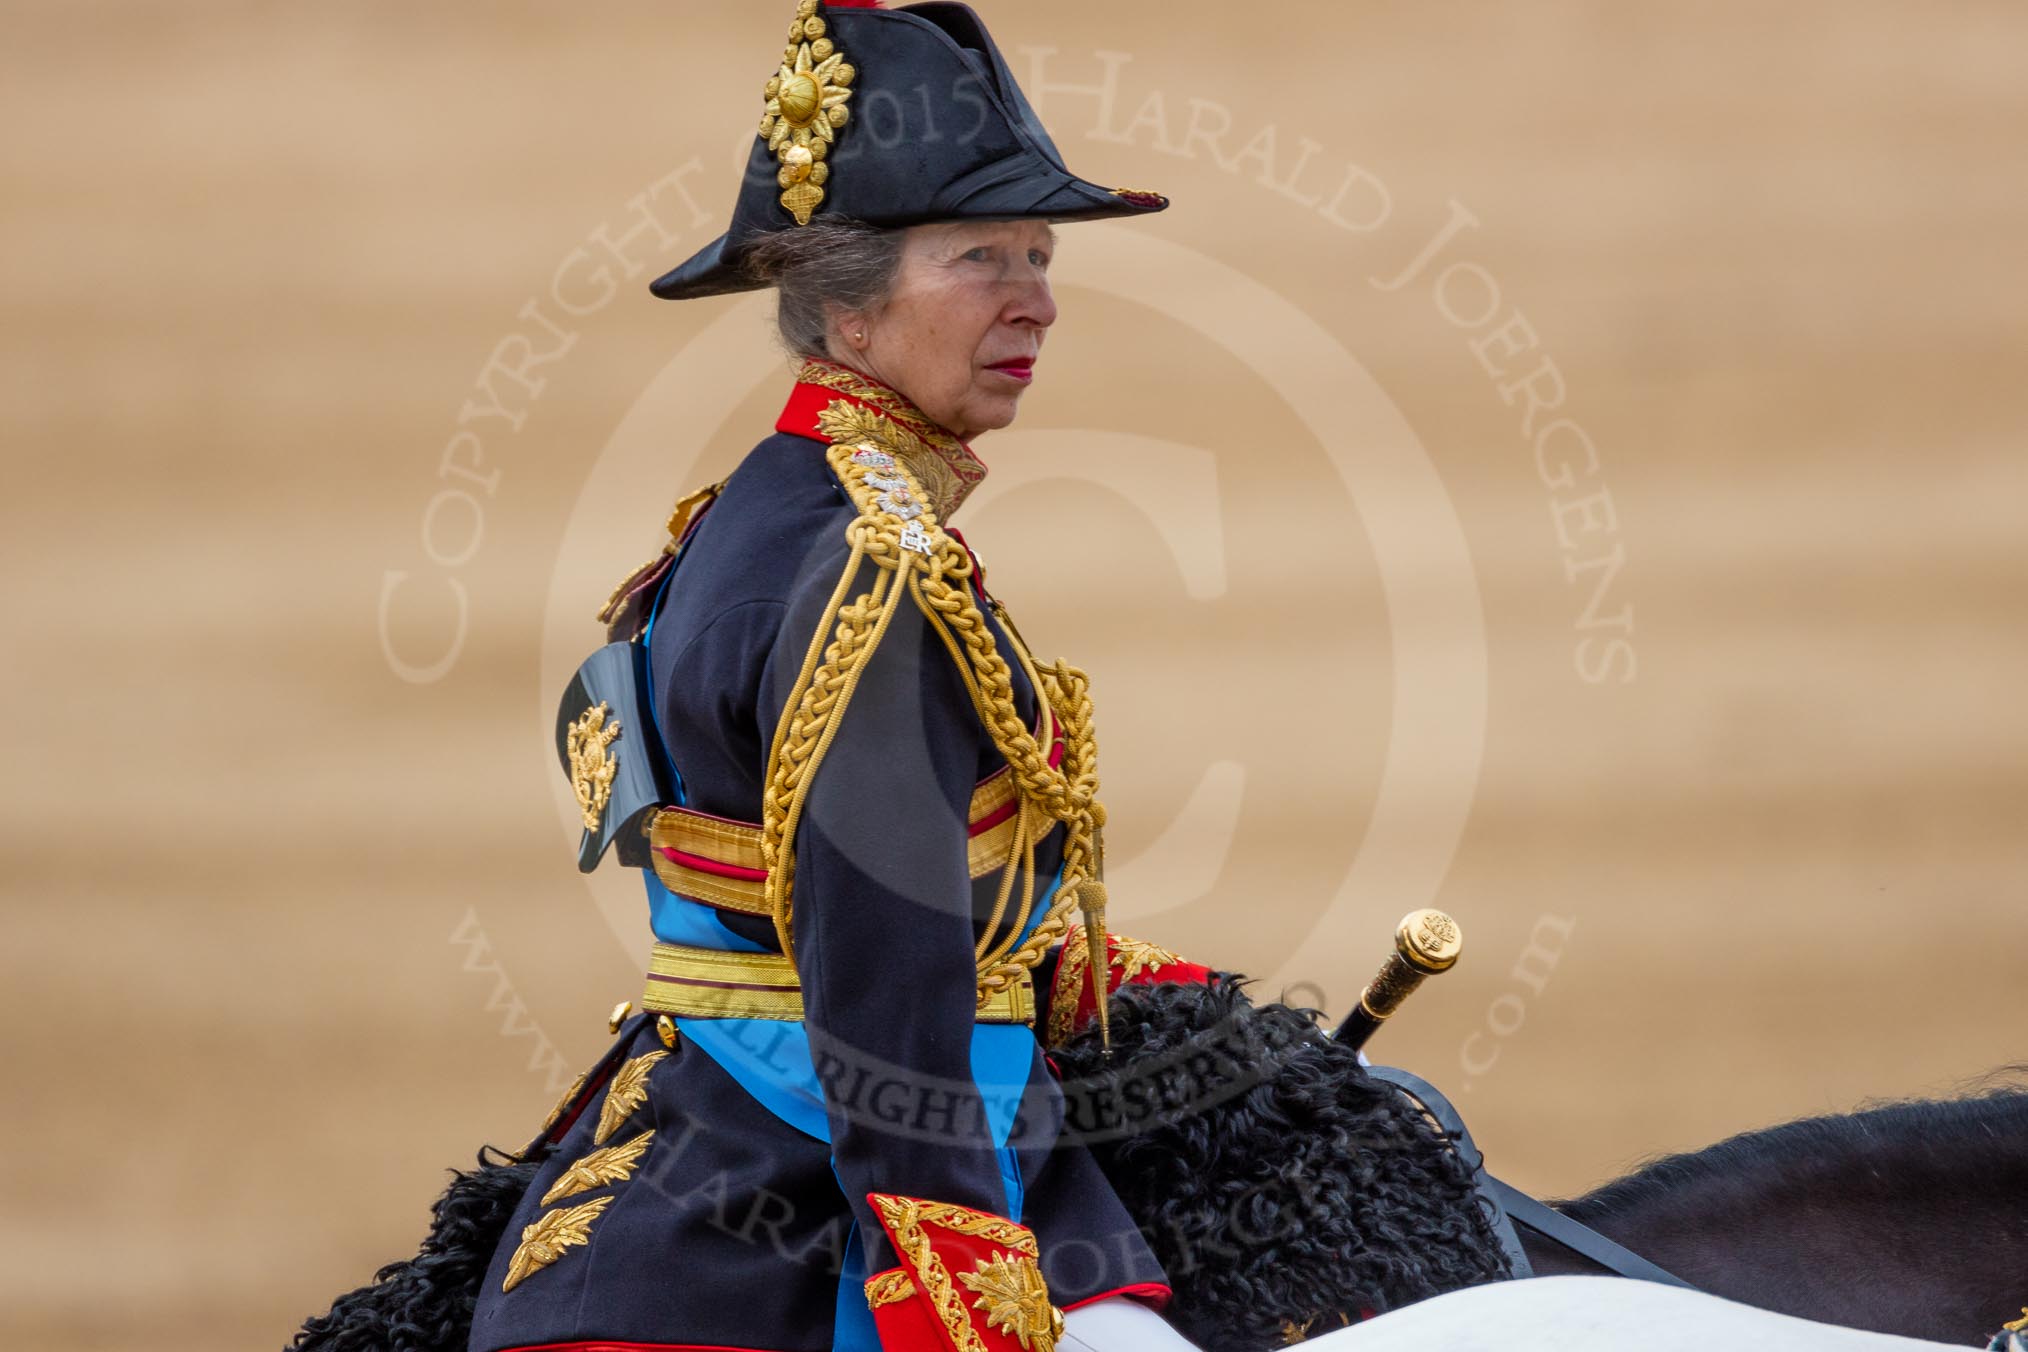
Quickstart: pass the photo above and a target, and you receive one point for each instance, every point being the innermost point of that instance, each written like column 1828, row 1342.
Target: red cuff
column 969, row 1281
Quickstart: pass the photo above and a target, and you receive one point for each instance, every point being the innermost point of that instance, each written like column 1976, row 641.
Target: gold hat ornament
column 806, row 106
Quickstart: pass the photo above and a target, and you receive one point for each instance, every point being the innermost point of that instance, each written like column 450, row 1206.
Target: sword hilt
column 1426, row 943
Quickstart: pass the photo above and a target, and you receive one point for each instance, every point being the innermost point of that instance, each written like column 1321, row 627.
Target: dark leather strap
column 1580, row 1239
column 1511, row 1206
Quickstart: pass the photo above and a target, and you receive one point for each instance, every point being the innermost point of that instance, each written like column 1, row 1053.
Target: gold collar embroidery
column 943, row 465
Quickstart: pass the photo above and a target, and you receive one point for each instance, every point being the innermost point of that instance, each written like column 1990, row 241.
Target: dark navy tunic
column 746, row 1223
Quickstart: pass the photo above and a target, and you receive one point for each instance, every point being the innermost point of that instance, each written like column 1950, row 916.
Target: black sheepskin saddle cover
column 1284, row 1189
column 425, row 1303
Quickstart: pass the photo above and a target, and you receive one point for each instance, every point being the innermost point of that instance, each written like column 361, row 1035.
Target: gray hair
column 833, row 262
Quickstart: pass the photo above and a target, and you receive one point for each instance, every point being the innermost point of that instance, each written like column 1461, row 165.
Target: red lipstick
column 1018, row 368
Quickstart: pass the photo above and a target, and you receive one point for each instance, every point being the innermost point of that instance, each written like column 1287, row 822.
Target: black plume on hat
column 895, row 117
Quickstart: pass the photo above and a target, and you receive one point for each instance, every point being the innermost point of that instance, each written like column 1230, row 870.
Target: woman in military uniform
column 831, row 1125
column 867, row 821
column 866, row 816
column 868, row 825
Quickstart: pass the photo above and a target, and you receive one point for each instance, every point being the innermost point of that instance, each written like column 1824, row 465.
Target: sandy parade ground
column 1569, row 459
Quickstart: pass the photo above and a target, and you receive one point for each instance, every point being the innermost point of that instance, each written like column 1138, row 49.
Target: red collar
column 947, row 467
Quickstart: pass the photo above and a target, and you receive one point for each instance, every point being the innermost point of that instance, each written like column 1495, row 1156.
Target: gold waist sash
column 709, row 983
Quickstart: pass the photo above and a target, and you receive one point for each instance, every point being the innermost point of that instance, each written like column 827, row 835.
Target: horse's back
column 1580, row 1314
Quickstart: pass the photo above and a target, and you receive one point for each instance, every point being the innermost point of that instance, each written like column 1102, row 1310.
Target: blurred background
column 1562, row 463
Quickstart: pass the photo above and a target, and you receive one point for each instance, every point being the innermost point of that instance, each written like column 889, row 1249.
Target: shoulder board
column 871, row 456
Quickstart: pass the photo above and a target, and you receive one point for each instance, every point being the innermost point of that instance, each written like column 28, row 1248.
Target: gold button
column 619, row 1015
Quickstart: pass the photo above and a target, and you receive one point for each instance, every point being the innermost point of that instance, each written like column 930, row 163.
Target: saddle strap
column 1512, row 1207
column 1580, row 1239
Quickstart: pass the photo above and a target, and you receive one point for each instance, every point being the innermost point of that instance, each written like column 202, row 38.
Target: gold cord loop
column 915, row 560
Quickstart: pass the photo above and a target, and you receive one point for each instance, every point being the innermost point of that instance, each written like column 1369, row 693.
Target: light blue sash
column 771, row 1060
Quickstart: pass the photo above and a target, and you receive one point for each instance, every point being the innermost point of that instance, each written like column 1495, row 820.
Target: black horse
column 1288, row 1192
column 1284, row 1190
column 1907, row 1218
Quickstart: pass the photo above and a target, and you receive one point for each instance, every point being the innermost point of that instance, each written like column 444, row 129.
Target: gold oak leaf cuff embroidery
column 543, row 1242
column 904, row 1219
column 614, row 1164
column 628, row 1091
column 887, row 1289
column 1014, row 1298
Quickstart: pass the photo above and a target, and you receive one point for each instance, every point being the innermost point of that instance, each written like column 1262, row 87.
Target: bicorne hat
column 895, row 117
